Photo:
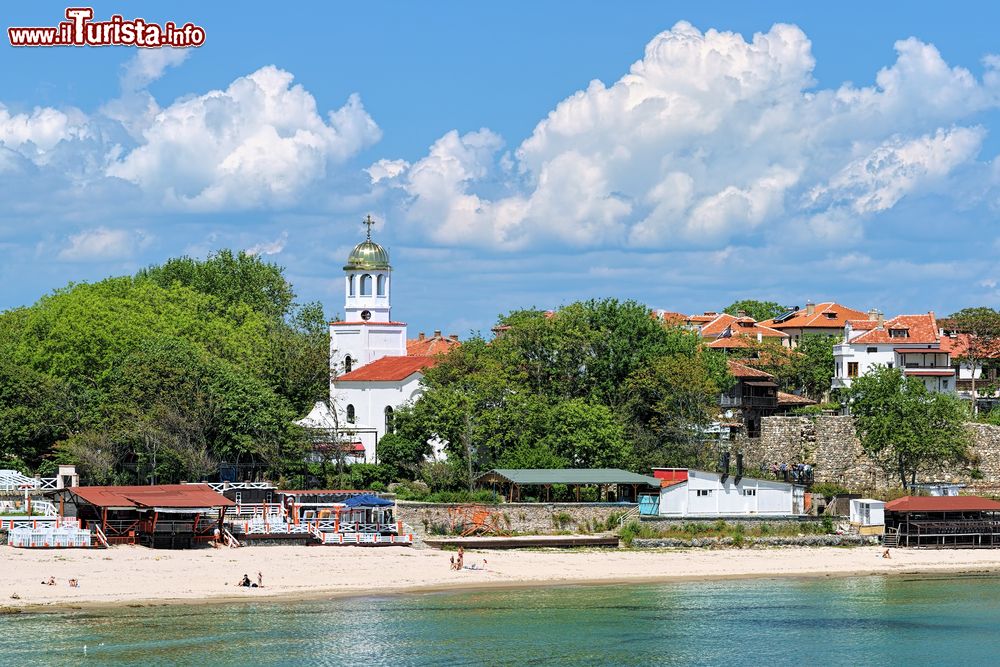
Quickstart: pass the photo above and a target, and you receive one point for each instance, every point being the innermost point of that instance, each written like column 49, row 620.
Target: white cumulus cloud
column 709, row 138
column 102, row 243
column 259, row 142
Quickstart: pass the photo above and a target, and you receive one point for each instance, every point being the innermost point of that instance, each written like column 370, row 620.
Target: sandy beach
column 137, row 575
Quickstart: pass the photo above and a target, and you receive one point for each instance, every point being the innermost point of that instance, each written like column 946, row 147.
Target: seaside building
column 621, row 485
column 942, row 522
column 908, row 342
column 699, row 493
column 173, row 516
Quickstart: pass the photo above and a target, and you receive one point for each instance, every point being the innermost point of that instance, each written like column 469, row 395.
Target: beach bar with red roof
column 943, row 522
column 173, row 516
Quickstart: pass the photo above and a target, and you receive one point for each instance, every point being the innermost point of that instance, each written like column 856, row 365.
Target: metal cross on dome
column 368, row 222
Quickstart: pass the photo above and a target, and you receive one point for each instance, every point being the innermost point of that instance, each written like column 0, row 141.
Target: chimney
column 810, row 307
column 420, row 336
column 881, row 317
column 710, row 312
column 454, row 337
column 437, row 333
column 872, row 314
column 741, row 313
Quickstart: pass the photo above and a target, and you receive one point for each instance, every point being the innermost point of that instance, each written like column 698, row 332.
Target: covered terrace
column 509, row 482
column 943, row 522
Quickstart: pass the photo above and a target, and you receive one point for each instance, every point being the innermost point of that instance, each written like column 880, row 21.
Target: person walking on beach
column 260, row 580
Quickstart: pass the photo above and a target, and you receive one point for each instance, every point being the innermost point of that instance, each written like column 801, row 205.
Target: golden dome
column 368, row 255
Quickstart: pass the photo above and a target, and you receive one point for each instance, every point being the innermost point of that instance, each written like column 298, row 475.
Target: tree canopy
column 162, row 375
column 905, row 427
column 759, row 310
column 558, row 389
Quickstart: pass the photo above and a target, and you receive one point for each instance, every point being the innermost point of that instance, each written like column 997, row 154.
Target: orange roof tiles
column 189, row 496
column 428, row 347
column 388, row 369
column 942, row 504
column 920, row 328
column 958, row 346
column 739, row 326
column 827, row 315
column 743, row 371
column 785, row 398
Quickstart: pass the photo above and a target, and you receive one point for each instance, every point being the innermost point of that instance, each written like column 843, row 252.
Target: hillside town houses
column 375, row 368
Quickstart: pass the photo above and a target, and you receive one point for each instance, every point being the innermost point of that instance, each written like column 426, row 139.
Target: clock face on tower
column 366, row 315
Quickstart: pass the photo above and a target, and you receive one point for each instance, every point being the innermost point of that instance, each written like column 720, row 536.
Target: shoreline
column 130, row 577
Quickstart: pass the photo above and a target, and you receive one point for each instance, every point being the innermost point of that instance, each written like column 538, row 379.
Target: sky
column 520, row 154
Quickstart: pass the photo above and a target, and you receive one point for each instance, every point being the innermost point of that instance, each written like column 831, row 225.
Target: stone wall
column 523, row 518
column 830, row 445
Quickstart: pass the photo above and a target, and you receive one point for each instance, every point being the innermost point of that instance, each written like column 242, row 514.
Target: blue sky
column 521, row 154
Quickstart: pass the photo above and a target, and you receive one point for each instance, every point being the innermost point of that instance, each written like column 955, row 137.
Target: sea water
column 841, row 621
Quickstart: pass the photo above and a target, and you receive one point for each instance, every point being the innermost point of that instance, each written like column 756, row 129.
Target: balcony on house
column 751, row 394
column 928, row 361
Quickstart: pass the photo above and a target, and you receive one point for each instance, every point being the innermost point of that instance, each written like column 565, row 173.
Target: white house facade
column 699, row 493
column 911, row 343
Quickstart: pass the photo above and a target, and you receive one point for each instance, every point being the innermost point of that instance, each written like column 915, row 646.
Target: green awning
column 582, row 476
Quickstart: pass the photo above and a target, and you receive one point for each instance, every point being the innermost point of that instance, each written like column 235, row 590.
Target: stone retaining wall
column 830, row 445
column 522, row 518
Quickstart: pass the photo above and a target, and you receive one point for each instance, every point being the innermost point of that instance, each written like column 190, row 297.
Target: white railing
column 12, row 480
column 366, row 539
column 274, row 528
column 230, row 541
column 221, row 486
column 256, row 509
column 47, row 507
column 101, row 539
column 37, row 522
column 45, row 538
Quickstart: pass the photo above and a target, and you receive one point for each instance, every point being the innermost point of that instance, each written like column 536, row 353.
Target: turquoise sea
column 867, row 620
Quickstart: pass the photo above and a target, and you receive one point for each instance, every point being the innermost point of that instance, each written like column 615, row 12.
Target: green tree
column 586, row 435
column 903, row 426
column 982, row 328
column 671, row 402
column 813, row 366
column 759, row 310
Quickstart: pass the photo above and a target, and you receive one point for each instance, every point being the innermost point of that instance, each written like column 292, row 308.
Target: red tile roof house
column 724, row 331
column 753, row 396
column 827, row 318
column 987, row 370
column 909, row 342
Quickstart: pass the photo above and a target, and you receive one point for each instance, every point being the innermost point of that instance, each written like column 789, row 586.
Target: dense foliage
column 905, row 427
column 759, row 310
column 596, row 384
column 162, row 376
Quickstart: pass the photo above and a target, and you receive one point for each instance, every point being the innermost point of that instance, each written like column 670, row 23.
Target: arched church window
column 348, row 364
column 366, row 285
column 388, row 419
column 381, row 285
column 350, row 285
column 350, row 414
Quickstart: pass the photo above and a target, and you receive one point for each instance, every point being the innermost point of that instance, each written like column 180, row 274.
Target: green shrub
column 813, row 410
column 828, row 526
column 561, row 520
column 829, row 490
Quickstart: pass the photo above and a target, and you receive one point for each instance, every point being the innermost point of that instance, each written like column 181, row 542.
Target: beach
column 133, row 575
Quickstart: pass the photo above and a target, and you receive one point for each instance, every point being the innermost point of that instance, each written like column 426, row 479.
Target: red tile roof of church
column 388, row 369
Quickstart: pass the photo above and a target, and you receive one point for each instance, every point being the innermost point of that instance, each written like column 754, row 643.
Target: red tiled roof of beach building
column 191, row 496
column 942, row 504
column 389, row 369
column 921, row 329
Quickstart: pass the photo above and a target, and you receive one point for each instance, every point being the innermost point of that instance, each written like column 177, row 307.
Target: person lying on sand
column 73, row 583
column 50, row 582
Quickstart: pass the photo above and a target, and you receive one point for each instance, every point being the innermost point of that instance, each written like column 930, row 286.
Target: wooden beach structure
column 943, row 522
column 625, row 486
column 174, row 516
